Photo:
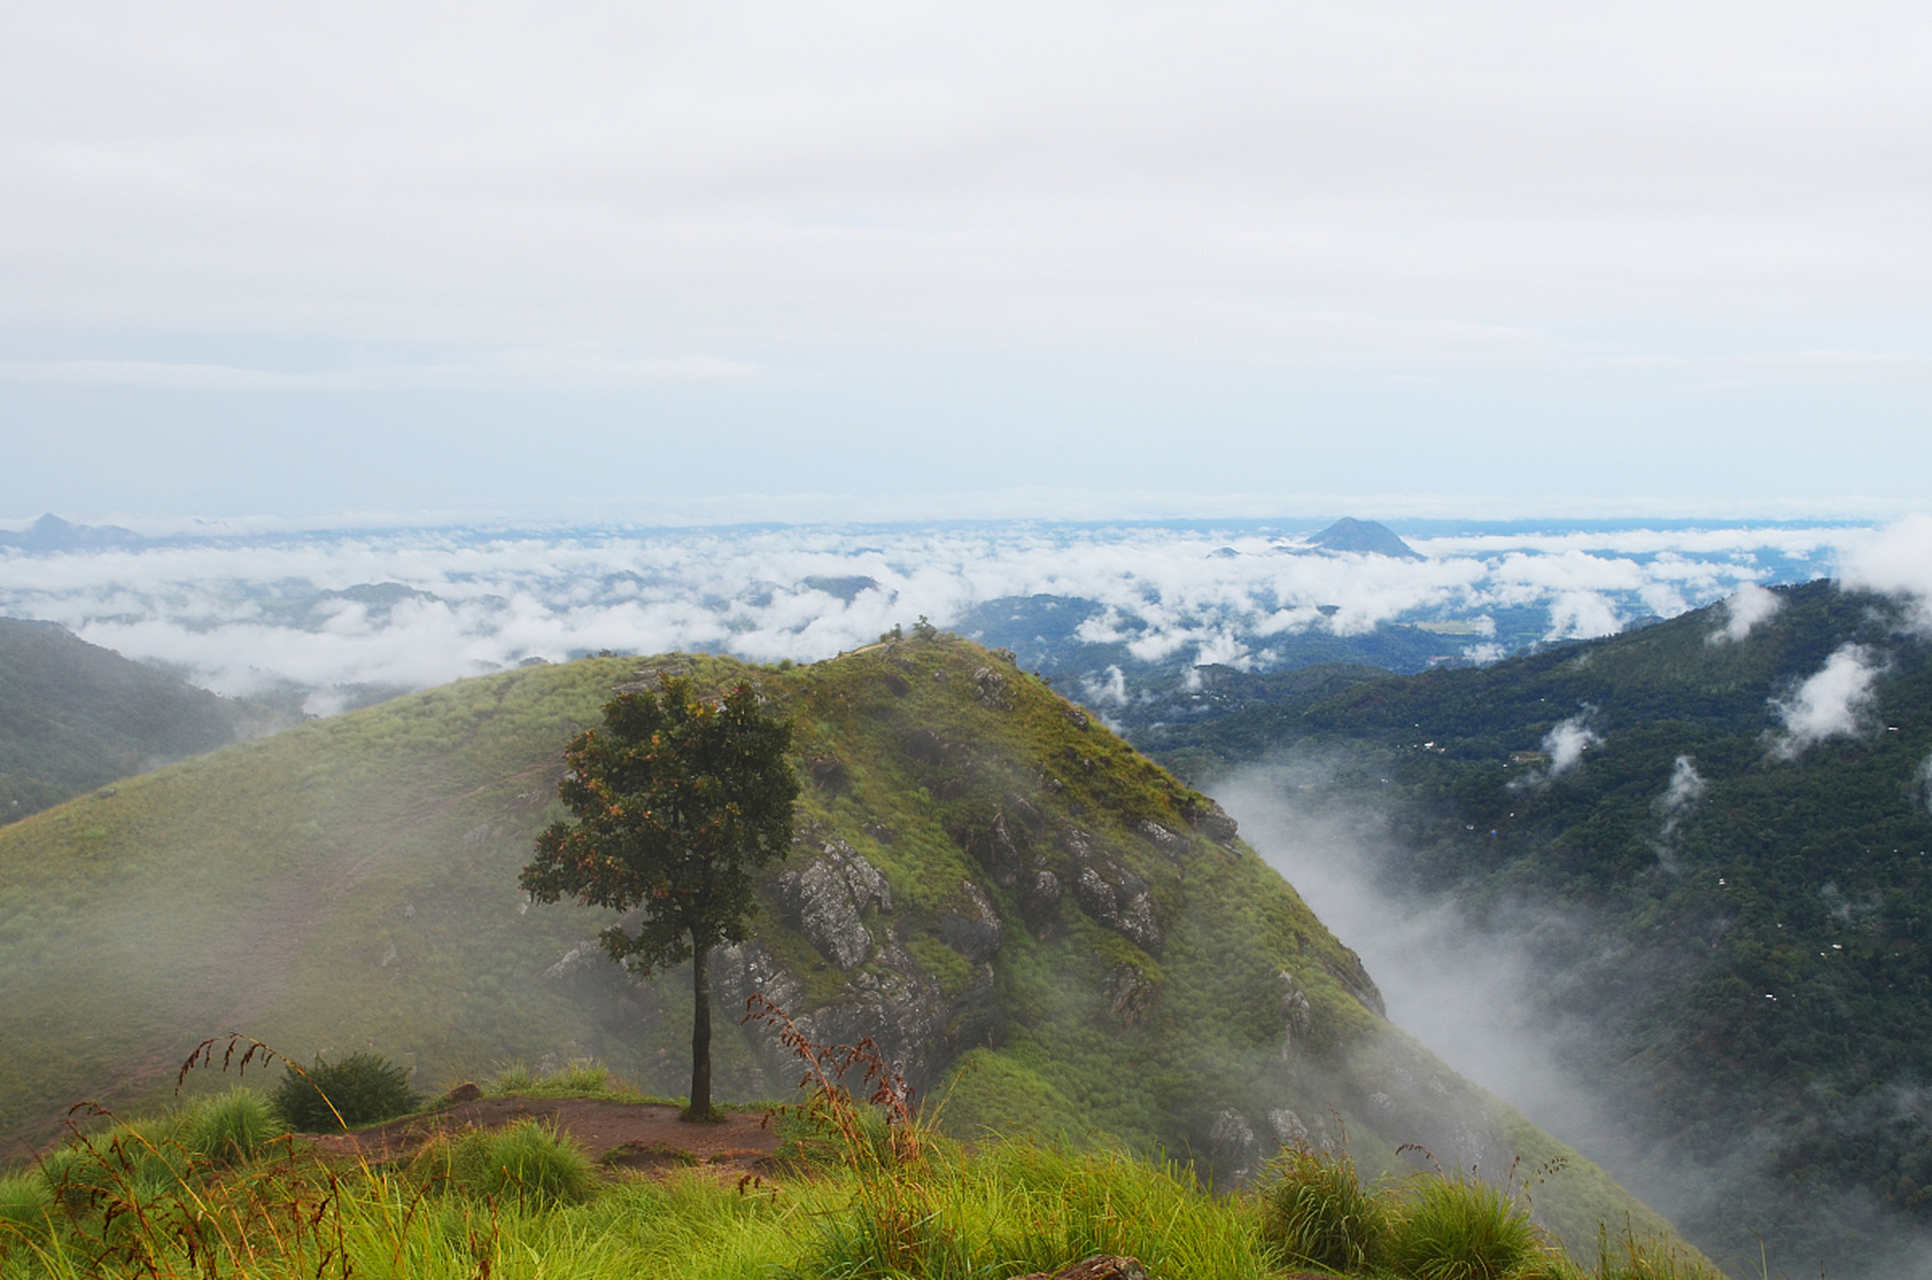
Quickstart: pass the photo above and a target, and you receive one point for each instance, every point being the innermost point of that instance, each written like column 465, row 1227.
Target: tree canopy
column 678, row 802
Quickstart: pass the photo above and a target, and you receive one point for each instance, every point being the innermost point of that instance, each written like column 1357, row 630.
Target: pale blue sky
column 472, row 259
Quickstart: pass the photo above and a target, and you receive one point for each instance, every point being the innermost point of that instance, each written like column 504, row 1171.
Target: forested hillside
column 1725, row 829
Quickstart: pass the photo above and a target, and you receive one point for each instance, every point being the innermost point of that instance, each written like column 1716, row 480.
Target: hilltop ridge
column 1036, row 922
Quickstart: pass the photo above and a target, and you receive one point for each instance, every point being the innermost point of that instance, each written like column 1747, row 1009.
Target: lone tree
column 678, row 803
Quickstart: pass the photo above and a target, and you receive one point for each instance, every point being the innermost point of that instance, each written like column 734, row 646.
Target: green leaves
column 678, row 802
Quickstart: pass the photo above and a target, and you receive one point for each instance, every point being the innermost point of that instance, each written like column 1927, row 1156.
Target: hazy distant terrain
column 74, row 716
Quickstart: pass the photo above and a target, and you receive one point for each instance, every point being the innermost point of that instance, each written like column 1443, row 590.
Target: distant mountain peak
column 51, row 533
column 1364, row 536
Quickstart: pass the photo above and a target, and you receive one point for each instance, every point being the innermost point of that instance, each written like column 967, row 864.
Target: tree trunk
column 700, row 1033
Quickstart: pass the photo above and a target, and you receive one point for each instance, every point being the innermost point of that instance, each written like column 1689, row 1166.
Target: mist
column 1474, row 990
column 1463, row 988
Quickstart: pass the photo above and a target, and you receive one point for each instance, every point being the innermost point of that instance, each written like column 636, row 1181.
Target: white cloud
column 1680, row 797
column 1567, row 741
column 1745, row 608
column 1685, row 789
column 1831, row 703
column 1281, row 183
column 1582, row 615
column 1896, row 561
column 212, row 607
column 1108, row 691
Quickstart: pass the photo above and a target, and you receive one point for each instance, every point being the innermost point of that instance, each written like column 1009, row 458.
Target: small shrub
column 526, row 1161
column 1460, row 1229
column 1315, row 1211
column 364, row 1088
column 229, row 1128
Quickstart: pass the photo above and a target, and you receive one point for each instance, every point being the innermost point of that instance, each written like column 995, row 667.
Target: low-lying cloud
column 1832, row 703
column 1749, row 605
column 220, row 609
column 1898, row 562
column 1568, row 740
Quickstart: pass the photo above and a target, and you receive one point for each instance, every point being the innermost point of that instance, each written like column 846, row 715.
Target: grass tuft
column 1460, row 1228
column 1315, row 1211
column 528, row 1161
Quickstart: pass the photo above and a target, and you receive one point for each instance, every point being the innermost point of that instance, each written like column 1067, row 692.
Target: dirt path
column 639, row 1136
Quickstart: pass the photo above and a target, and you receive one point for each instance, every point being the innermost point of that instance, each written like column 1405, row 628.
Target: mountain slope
column 1037, row 924
column 74, row 716
column 1720, row 834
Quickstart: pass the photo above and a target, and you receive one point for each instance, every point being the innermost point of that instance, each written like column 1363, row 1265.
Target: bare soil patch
column 639, row 1136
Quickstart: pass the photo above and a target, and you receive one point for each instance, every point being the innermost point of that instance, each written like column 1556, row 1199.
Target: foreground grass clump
column 1461, row 1228
column 1315, row 1211
column 527, row 1161
column 363, row 1088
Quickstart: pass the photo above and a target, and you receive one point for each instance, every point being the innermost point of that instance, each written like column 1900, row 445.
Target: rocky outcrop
column 824, row 900
column 1003, row 848
column 918, row 1028
column 1210, row 819
column 1115, row 897
column 971, row 924
column 1040, row 904
column 1172, row 844
column 1130, row 993
column 990, row 688
column 1296, row 1016
column 1231, row 1144
column 1356, row 981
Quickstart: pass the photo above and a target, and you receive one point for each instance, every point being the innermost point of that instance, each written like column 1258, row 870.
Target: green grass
column 1315, row 1211
column 349, row 887
column 526, row 1161
column 524, row 1202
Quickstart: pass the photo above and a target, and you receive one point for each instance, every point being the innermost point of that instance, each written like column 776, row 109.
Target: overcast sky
column 643, row 260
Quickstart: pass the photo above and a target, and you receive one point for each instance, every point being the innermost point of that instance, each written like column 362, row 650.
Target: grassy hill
column 1041, row 927
column 75, row 716
column 1742, row 917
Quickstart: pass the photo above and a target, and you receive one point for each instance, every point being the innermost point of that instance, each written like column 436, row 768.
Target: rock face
column 824, row 900
column 1296, row 1018
column 1113, row 895
column 991, row 689
column 1231, row 1143
column 971, row 925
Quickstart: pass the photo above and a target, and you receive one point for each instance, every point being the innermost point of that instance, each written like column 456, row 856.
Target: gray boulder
column 824, row 899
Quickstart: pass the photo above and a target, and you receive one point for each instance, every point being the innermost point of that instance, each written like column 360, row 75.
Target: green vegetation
column 1315, row 1210
column 363, row 1088
column 75, row 717
column 526, row 1162
column 1749, row 940
column 348, row 886
column 885, row 1197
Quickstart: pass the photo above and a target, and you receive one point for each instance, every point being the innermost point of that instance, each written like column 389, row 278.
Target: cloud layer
column 224, row 610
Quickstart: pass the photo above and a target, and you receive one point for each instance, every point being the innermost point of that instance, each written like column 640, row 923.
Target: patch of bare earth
column 642, row 1137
